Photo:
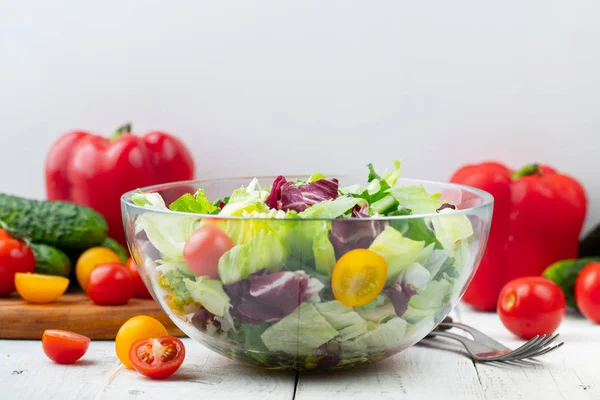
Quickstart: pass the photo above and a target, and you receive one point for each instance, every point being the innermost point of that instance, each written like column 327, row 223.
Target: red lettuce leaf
column 350, row 234
column 400, row 294
column 287, row 196
column 265, row 297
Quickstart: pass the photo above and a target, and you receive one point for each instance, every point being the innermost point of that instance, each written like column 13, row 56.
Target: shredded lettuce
column 386, row 336
column 210, row 294
column 343, row 318
column 300, row 333
column 197, row 203
column 398, row 251
column 264, row 250
column 246, row 200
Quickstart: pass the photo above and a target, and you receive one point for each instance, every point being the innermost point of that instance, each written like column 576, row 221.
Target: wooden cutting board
column 74, row 312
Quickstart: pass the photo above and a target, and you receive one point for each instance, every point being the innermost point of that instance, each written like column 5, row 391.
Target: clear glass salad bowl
column 302, row 291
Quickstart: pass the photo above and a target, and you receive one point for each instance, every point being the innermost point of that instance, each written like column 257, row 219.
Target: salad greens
column 274, row 301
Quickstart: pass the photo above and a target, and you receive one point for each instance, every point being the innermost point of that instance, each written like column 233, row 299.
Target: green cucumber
column 50, row 260
column 564, row 274
column 115, row 246
column 55, row 223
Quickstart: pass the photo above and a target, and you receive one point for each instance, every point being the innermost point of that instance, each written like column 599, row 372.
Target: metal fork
column 483, row 348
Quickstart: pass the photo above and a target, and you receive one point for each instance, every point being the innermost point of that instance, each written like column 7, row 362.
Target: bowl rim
column 488, row 199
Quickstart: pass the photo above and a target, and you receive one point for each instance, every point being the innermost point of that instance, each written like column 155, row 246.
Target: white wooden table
column 437, row 369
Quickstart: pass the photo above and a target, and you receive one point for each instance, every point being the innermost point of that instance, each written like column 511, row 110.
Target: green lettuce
column 323, row 251
column 264, row 250
column 342, row 318
column 197, row 203
column 392, row 177
column 383, row 337
column 331, row 208
column 450, row 229
column 316, row 176
column 416, row 199
column 300, row 333
column 172, row 276
column 210, row 294
column 429, row 301
column 398, row 251
column 378, row 314
column 246, row 200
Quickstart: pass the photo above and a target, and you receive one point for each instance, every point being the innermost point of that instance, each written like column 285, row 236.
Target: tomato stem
column 124, row 129
column 528, row 170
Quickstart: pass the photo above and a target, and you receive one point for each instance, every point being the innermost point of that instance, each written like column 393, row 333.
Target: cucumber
column 55, row 223
column 564, row 274
column 50, row 260
column 117, row 248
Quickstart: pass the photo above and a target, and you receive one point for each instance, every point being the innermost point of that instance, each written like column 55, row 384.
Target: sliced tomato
column 157, row 358
column 358, row 277
column 64, row 347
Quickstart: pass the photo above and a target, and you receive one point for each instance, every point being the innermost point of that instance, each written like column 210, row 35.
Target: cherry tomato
column 157, row 358
column 15, row 256
column 587, row 292
column 531, row 306
column 90, row 259
column 204, row 248
column 64, row 347
column 4, row 235
column 136, row 328
column 139, row 288
column 110, row 285
column 38, row 288
column 358, row 277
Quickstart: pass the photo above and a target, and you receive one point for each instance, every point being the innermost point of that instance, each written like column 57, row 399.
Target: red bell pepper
column 95, row 171
column 537, row 220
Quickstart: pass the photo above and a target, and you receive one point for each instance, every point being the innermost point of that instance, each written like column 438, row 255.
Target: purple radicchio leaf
column 265, row 297
column 287, row 196
column 360, row 212
column 318, row 191
column 350, row 234
column 203, row 318
column 446, row 205
column 400, row 294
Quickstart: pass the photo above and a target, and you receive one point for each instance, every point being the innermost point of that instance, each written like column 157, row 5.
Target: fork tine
column 545, row 351
column 526, row 346
column 538, row 348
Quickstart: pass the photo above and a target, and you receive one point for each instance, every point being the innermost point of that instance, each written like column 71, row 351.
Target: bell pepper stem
column 531, row 169
column 122, row 130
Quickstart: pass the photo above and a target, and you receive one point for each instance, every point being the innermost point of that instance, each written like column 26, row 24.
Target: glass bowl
column 281, row 302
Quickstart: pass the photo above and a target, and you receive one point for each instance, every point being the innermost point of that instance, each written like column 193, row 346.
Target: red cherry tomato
column 531, row 306
column 139, row 288
column 64, row 347
column 110, row 285
column 15, row 256
column 157, row 358
column 204, row 248
column 587, row 292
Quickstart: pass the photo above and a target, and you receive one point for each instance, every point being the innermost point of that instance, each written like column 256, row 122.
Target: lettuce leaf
column 343, row 318
column 450, row 229
column 197, row 203
column 210, row 294
column 416, row 199
column 301, row 333
column 331, row 208
column 263, row 250
column 386, row 336
column 246, row 200
column 398, row 251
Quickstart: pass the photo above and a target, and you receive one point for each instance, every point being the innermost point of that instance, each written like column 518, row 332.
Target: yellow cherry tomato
column 38, row 288
column 358, row 277
column 136, row 328
column 90, row 259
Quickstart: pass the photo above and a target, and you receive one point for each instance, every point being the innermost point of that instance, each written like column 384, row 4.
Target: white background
column 268, row 87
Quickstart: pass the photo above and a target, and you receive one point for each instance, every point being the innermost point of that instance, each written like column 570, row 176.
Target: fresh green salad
column 316, row 276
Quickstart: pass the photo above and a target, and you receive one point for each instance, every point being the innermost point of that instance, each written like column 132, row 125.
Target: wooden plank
column 568, row 373
column 25, row 373
column 74, row 312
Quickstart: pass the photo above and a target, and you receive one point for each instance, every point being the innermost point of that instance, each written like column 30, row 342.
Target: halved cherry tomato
column 157, row 358
column 139, row 288
column 90, row 259
column 587, row 292
column 531, row 306
column 358, row 277
column 110, row 285
column 64, row 347
column 38, row 288
column 15, row 256
column 136, row 328
column 204, row 248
